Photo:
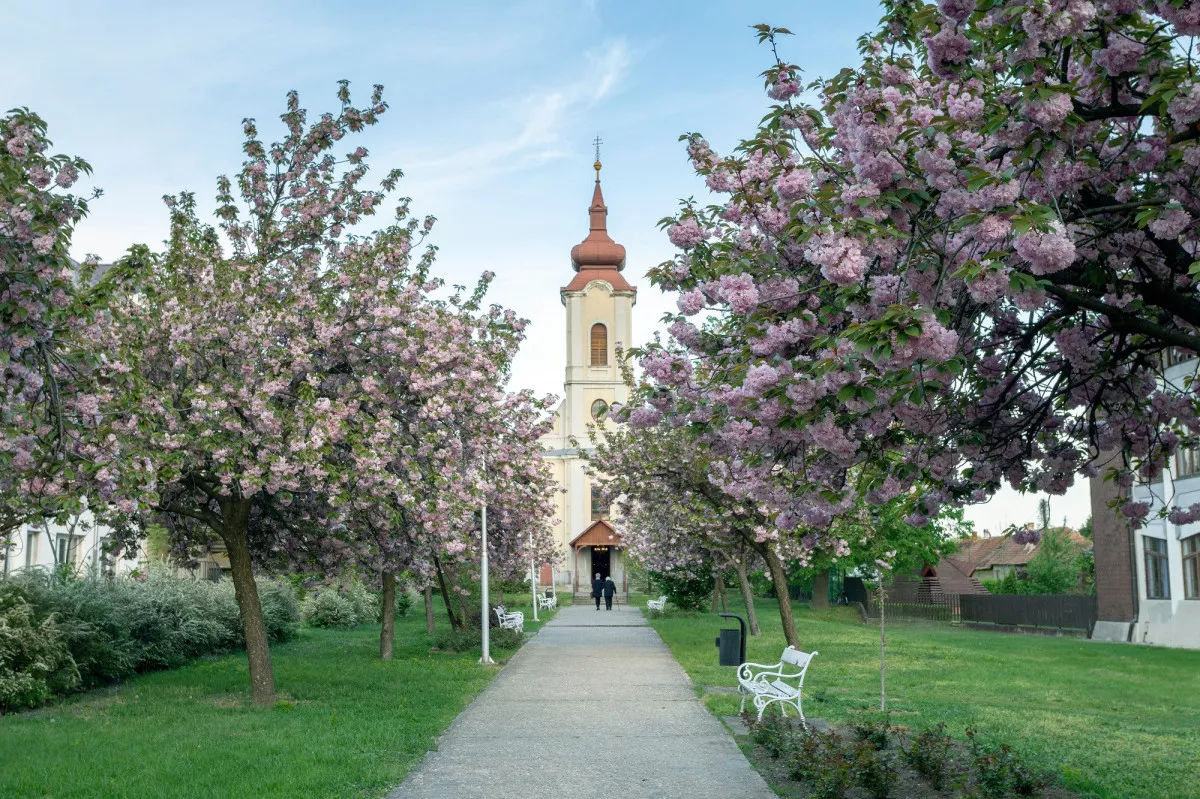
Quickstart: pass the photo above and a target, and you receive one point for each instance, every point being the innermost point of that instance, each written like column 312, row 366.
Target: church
column 599, row 318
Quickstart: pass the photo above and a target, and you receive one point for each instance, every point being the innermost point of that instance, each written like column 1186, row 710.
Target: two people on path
column 603, row 587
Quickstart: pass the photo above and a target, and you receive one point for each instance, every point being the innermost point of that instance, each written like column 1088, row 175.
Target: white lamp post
column 486, row 657
column 533, row 577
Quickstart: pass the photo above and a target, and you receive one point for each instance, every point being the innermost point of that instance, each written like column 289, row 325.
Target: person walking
column 610, row 588
column 597, row 589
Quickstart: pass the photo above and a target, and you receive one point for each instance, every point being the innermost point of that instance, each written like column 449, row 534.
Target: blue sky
column 493, row 108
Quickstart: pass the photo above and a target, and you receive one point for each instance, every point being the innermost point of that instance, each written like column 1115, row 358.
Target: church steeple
column 598, row 250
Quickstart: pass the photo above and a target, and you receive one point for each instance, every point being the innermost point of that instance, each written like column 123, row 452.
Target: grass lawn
column 348, row 724
column 1112, row 720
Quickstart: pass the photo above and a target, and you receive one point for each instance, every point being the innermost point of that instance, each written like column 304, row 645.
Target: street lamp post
column 533, row 577
column 485, row 622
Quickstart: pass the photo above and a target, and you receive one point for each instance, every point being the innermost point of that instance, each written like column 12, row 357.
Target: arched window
column 599, row 409
column 599, row 345
column 597, row 508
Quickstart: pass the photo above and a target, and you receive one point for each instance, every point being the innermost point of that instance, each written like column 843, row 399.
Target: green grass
column 347, row 724
column 1112, row 720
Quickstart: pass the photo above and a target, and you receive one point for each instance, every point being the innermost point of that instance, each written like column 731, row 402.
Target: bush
column 872, row 732
column 1000, row 770
column 34, row 659
column 876, row 769
column 685, row 592
column 114, row 629
column 329, row 608
column 453, row 640
column 929, row 754
column 367, row 606
column 774, row 733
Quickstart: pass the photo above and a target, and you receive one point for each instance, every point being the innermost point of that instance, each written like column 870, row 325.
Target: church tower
column 599, row 318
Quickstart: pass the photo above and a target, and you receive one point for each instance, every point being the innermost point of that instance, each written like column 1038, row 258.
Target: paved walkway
column 593, row 705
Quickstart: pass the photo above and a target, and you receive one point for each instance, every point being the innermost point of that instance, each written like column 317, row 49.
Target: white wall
column 80, row 541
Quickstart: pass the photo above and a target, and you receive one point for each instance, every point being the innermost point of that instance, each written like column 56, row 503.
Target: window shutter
column 599, row 345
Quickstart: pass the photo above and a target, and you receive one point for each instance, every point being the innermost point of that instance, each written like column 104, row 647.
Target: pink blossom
column 691, row 302
column 948, row 51
column 1170, row 223
column 1121, row 55
column 685, row 234
column 1049, row 113
column 1184, row 107
column 794, row 183
column 66, row 176
column 1046, row 252
column 957, row 10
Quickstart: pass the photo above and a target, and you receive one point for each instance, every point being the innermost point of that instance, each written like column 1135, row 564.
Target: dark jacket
column 610, row 587
column 597, row 587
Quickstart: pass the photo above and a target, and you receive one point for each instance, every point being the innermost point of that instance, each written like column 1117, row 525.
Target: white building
column 1148, row 581
column 599, row 317
column 77, row 546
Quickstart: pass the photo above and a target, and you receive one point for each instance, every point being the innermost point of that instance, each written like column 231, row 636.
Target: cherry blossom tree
column 258, row 362
column 953, row 266
column 51, row 312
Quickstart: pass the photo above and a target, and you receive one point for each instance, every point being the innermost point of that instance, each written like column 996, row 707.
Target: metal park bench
column 510, row 621
column 780, row 683
column 657, row 604
column 548, row 601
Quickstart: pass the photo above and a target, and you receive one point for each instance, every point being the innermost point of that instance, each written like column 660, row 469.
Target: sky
column 493, row 108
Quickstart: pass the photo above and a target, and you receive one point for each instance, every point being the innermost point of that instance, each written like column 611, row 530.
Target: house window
column 599, row 408
column 599, row 345
column 597, row 504
column 1187, row 462
column 31, row 538
column 1173, row 356
column 66, row 549
column 1191, row 567
column 1158, row 580
column 107, row 566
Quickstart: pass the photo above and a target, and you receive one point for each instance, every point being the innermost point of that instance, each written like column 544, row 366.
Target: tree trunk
column 820, row 597
column 387, row 632
column 747, row 595
column 258, row 649
column 779, row 580
column 721, row 591
column 455, row 623
column 715, row 597
column 429, row 628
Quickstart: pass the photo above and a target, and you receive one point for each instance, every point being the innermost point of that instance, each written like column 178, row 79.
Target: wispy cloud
column 539, row 118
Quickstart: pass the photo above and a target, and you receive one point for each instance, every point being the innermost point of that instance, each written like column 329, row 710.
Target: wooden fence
column 1069, row 612
column 1009, row 610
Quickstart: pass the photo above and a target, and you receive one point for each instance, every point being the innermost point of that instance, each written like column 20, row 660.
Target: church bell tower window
column 599, row 345
column 599, row 409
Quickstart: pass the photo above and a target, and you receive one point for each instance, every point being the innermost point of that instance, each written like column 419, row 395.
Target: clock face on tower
column 599, row 409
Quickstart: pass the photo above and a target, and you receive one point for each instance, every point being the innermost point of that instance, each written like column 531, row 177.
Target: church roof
column 598, row 257
column 599, row 533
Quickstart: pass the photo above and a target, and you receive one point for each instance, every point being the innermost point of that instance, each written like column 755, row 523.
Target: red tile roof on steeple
column 598, row 257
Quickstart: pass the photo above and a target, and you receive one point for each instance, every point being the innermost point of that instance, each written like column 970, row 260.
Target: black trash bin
column 731, row 644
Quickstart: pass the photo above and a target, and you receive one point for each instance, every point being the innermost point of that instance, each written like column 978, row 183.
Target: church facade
column 599, row 317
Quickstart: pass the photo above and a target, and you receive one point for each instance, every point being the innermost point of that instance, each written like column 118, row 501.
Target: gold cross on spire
column 598, row 141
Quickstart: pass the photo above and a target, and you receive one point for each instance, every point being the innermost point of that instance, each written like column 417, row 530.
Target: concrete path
column 593, row 705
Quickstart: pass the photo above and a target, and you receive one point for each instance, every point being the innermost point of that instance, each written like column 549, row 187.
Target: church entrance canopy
column 602, row 540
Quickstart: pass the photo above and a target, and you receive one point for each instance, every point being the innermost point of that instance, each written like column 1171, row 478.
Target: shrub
column 876, row 769
column 281, row 610
column 114, row 629
column 366, row 605
column 774, row 733
column 404, row 602
column 929, row 755
column 804, row 764
column 329, row 608
column 686, row 592
column 34, row 659
column 832, row 772
column 1000, row 770
column 453, row 640
column 872, row 732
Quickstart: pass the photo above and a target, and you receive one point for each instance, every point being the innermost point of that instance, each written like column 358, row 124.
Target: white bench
column 548, row 602
column 510, row 621
column 657, row 604
column 780, row 683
